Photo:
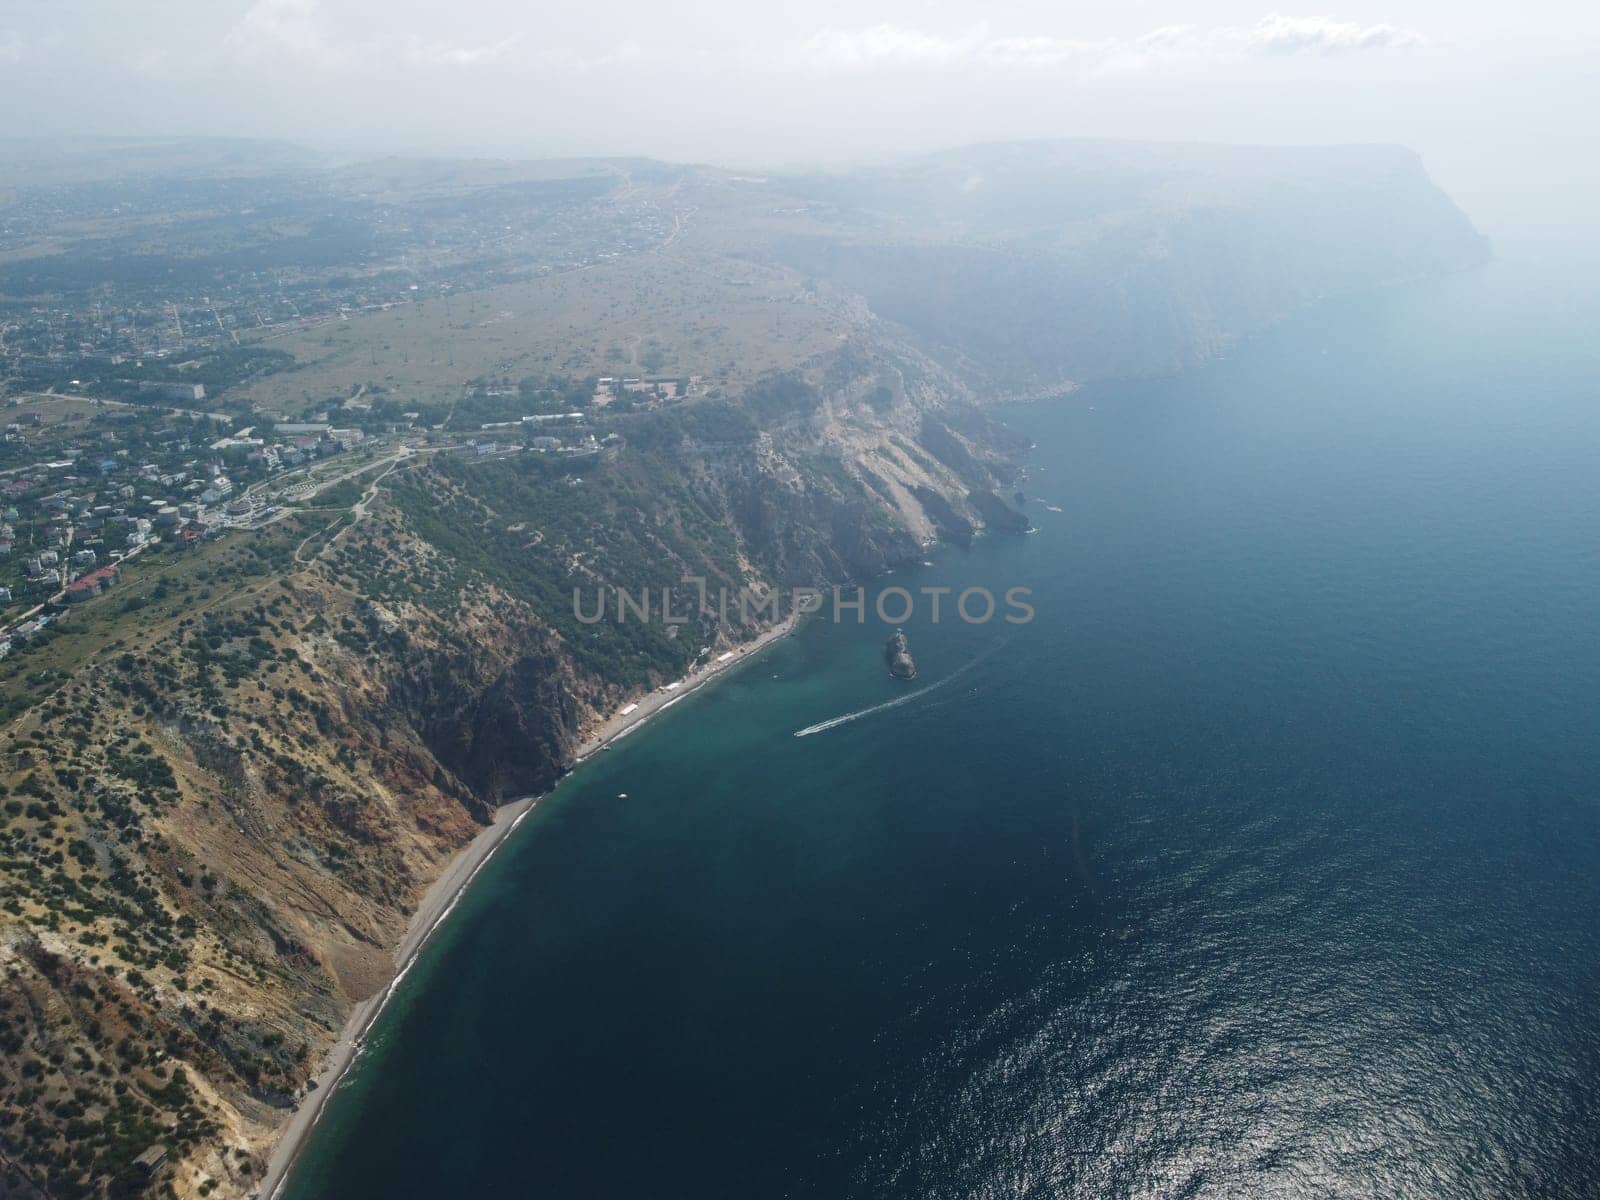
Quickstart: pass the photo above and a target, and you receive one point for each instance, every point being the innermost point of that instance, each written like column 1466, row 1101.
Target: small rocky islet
column 897, row 654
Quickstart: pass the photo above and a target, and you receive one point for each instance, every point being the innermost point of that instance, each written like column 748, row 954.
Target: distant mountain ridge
column 54, row 161
column 1026, row 267
column 1041, row 264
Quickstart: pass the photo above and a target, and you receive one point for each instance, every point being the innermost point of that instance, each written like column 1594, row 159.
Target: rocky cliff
column 216, row 835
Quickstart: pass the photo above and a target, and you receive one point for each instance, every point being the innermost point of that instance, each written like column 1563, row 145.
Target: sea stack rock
column 898, row 655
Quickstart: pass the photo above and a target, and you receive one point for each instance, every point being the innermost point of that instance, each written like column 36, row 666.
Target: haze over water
column 1263, row 862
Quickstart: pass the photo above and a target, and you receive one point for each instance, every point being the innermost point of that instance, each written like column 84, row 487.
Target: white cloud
column 302, row 33
column 886, row 45
column 16, row 49
column 285, row 29
column 419, row 52
column 1041, row 51
column 1278, row 34
column 894, row 45
column 890, row 45
column 622, row 54
column 293, row 30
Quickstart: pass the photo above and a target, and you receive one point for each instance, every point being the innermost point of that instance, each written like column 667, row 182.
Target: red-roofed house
column 92, row 584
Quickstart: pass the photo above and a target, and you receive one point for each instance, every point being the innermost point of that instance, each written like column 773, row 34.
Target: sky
column 1500, row 99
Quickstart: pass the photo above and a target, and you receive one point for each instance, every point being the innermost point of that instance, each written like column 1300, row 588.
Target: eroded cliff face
column 223, row 827
column 502, row 725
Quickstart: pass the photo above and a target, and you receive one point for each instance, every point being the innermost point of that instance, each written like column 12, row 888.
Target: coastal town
column 97, row 483
column 144, row 410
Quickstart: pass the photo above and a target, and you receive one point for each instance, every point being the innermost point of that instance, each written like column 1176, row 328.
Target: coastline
column 622, row 723
column 446, row 891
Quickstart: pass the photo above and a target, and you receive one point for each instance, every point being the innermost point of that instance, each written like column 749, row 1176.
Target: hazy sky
column 1499, row 98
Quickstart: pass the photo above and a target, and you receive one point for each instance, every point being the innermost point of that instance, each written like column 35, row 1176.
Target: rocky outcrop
column 805, row 535
column 997, row 514
column 504, row 733
column 952, row 526
column 897, row 654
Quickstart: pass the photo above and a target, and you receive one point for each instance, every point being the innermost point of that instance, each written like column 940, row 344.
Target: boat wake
column 835, row 722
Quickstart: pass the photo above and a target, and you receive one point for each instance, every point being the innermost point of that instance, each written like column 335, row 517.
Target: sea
column 1264, row 861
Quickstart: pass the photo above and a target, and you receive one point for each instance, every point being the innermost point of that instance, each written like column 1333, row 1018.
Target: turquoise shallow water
column 1263, row 862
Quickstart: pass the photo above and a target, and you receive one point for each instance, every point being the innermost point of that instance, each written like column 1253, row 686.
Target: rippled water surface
column 1262, row 863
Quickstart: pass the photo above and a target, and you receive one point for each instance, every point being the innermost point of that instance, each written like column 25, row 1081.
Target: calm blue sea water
column 1263, row 863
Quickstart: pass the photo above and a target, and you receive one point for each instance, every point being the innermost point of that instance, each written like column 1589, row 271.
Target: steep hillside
column 215, row 832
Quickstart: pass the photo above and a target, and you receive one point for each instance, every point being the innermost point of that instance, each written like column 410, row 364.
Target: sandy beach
column 630, row 717
column 443, row 895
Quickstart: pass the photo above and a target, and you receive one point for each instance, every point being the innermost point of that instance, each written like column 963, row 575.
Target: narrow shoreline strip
column 442, row 896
